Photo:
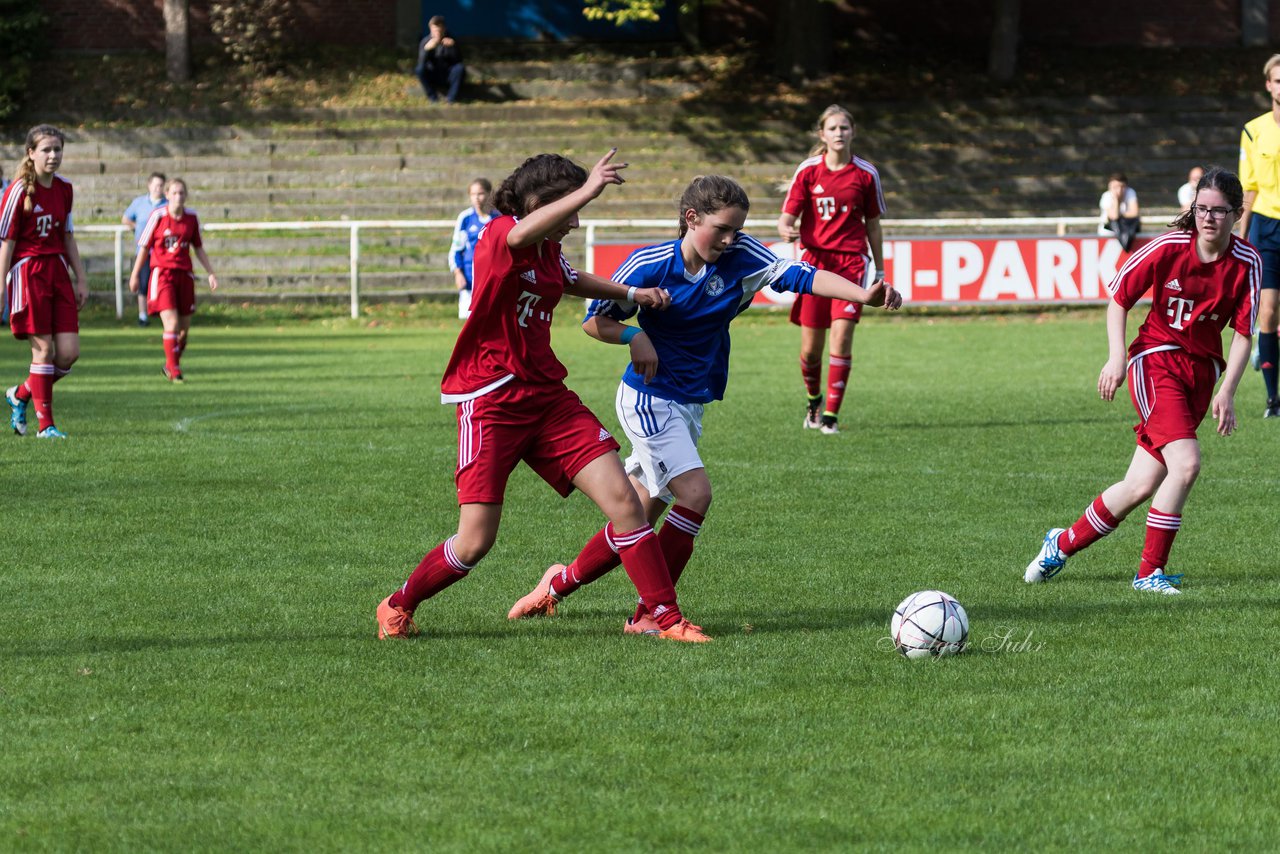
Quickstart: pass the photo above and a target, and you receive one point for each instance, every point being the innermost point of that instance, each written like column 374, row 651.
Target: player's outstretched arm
column 1224, row 402
column 591, row 286
column 828, row 284
column 643, row 356
column 1112, row 375
column 551, row 217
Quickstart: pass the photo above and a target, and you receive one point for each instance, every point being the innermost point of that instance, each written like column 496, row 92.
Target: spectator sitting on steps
column 1119, row 209
column 440, row 63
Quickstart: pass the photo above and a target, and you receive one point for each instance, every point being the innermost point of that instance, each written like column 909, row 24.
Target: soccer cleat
column 51, row 432
column 538, row 602
column 646, row 625
column 811, row 419
column 17, row 411
column 1158, row 582
column 829, row 425
column 175, row 377
column 394, row 622
column 685, row 632
column 1049, row 562
column 1272, row 410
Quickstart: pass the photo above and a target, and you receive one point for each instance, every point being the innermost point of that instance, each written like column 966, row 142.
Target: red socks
column 642, row 559
column 171, row 352
column 597, row 557
column 1161, row 529
column 811, row 373
column 40, row 387
column 1095, row 524
column 438, row 570
column 837, row 379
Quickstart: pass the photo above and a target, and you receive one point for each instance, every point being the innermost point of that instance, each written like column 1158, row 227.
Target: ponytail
column 27, row 170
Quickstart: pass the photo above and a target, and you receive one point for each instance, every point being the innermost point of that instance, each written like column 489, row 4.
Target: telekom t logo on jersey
column 44, row 224
column 1179, row 311
column 826, row 206
column 526, row 302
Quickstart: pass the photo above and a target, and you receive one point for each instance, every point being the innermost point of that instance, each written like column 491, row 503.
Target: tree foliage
column 23, row 25
column 622, row 11
column 256, row 34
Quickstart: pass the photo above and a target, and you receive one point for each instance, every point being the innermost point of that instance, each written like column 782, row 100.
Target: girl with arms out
column 1202, row 279
column 512, row 402
column 40, row 261
column 837, row 200
column 679, row 364
column 172, row 233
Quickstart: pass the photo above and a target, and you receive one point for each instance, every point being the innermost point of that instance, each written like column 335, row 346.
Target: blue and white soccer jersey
column 663, row 418
column 462, row 252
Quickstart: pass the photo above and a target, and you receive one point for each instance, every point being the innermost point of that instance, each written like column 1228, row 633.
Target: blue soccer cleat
column 51, row 432
column 1158, row 582
column 1049, row 562
column 17, row 411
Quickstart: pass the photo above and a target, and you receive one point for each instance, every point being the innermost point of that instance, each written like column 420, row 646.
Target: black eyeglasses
column 1210, row 213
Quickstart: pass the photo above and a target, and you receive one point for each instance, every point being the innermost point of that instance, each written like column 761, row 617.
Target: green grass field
column 187, row 630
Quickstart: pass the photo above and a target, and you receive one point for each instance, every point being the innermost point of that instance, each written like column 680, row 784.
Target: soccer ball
column 929, row 623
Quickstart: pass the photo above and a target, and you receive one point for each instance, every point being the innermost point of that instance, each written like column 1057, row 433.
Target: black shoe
column 1273, row 408
column 144, row 321
column 829, row 425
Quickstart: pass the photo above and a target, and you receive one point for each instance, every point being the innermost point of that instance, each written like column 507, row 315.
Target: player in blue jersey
column 680, row 363
column 465, row 234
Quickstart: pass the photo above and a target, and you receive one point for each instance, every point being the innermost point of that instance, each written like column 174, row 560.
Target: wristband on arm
column 631, row 294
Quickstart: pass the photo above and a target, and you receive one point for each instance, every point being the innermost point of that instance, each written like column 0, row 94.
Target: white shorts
column 664, row 438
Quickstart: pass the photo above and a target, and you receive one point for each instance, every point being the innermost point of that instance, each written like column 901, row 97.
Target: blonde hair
column 173, row 181
column 834, row 109
column 1271, row 63
column 27, row 169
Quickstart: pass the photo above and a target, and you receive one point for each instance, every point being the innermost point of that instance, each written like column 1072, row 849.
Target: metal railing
column 592, row 229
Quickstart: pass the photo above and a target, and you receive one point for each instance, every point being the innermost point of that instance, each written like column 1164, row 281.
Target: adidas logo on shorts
column 604, row 434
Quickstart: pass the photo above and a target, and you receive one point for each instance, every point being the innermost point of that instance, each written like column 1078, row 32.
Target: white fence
column 593, row 229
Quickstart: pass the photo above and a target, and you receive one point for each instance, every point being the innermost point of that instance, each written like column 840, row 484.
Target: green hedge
column 24, row 41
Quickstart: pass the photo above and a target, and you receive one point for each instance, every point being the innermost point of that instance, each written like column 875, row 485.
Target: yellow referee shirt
column 1260, row 164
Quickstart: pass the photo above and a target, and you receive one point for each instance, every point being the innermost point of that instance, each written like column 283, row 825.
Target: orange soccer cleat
column 538, row 602
column 646, row 625
column 394, row 622
column 685, row 631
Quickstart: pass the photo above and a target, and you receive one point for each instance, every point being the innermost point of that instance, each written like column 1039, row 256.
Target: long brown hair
column 27, row 169
column 834, row 109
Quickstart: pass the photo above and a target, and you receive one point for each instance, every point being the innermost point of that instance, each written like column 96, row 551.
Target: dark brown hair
column 541, row 179
column 1214, row 178
column 707, row 194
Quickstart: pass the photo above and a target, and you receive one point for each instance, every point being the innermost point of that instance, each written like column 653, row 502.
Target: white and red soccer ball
column 929, row 624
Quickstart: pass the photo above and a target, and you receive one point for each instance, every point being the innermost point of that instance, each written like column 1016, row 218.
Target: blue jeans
column 434, row 79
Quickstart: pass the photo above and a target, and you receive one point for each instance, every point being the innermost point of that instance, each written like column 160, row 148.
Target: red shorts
column 1171, row 392
column 171, row 290
column 817, row 312
column 546, row 425
column 41, row 299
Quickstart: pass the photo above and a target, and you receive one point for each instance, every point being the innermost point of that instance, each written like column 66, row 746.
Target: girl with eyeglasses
column 1201, row 278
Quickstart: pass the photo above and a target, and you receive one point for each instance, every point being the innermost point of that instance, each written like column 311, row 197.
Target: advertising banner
column 968, row 270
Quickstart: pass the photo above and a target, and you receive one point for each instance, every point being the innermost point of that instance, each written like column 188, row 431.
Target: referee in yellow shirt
column 1260, row 176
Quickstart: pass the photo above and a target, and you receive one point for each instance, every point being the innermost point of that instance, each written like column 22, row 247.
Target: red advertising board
column 969, row 270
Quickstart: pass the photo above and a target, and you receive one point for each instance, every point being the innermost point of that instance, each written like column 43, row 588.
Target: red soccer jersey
column 170, row 240
column 509, row 332
column 1191, row 301
column 41, row 231
column 833, row 206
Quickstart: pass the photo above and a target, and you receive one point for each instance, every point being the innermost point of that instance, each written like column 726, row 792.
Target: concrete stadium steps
column 999, row 157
